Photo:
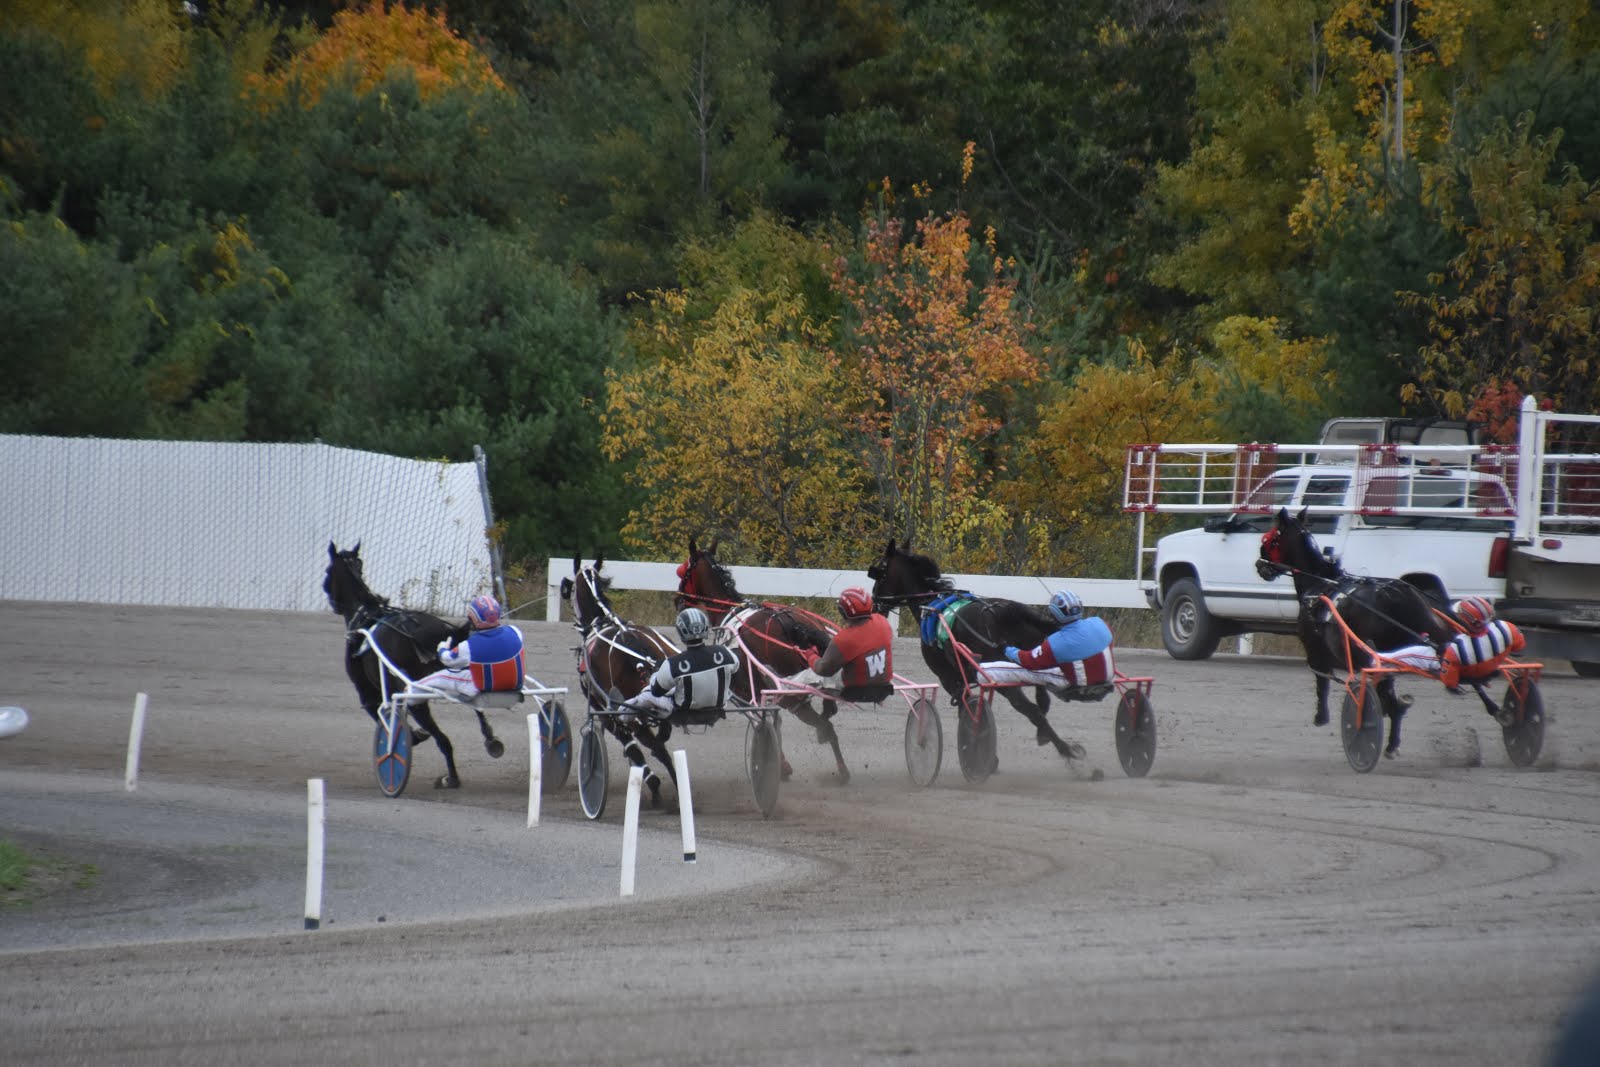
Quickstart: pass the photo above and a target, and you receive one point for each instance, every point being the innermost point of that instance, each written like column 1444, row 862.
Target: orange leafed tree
column 940, row 353
column 370, row 40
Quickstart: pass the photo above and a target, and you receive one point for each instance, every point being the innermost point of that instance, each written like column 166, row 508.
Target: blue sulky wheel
column 392, row 761
column 1363, row 742
column 557, row 735
column 924, row 741
column 593, row 769
column 976, row 743
column 1136, row 733
column 1522, row 721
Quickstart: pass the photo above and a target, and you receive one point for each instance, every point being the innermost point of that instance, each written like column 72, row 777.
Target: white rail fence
column 783, row 582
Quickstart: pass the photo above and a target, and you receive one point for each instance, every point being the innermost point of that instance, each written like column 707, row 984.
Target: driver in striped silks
column 697, row 679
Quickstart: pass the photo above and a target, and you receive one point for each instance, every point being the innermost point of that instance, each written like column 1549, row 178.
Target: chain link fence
column 199, row 524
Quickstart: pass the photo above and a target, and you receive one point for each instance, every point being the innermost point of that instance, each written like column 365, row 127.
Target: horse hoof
column 655, row 795
column 495, row 748
column 844, row 775
column 1405, row 701
column 419, row 736
column 785, row 772
column 1072, row 751
column 1388, row 753
column 1320, row 719
column 447, row 781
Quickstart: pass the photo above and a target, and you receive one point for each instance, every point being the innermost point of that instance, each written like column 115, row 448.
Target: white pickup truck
column 1438, row 517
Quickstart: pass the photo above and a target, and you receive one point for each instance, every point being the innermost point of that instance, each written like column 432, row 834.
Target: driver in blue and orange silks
column 1077, row 653
column 488, row 660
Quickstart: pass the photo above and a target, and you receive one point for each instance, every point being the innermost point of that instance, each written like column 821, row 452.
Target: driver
column 696, row 679
column 1473, row 654
column 488, row 660
column 1077, row 653
column 859, row 661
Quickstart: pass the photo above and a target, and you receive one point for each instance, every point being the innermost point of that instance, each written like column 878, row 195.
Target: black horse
column 615, row 661
column 981, row 628
column 410, row 639
column 774, row 634
column 1385, row 613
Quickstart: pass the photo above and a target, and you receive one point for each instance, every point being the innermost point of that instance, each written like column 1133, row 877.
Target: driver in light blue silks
column 1076, row 654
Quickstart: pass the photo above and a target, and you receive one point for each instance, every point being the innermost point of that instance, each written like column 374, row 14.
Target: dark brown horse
column 1385, row 613
column 773, row 634
column 615, row 662
column 410, row 640
column 981, row 628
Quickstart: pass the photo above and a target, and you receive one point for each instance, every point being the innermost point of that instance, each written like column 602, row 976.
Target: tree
column 1519, row 300
column 733, row 417
column 943, row 355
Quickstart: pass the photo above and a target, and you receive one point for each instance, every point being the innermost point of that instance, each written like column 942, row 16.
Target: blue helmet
column 1065, row 607
column 483, row 612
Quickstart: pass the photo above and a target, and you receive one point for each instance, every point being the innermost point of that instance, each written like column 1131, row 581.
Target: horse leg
column 491, row 743
column 1044, row 735
column 826, row 734
column 1395, row 708
column 1321, row 716
column 424, row 715
column 656, row 742
column 635, row 753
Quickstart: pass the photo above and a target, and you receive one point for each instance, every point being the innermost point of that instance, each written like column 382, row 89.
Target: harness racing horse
column 410, row 639
column 1385, row 613
column 774, row 634
column 615, row 662
column 981, row 628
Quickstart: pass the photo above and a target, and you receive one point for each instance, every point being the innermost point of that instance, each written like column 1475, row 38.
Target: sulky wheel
column 1363, row 742
column 976, row 743
column 1522, row 721
column 391, row 753
column 764, row 756
column 557, row 735
column 924, row 741
column 593, row 771
column 1136, row 733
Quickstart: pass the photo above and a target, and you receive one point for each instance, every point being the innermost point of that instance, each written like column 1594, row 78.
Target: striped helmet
column 1474, row 612
column 483, row 612
column 693, row 625
column 1065, row 606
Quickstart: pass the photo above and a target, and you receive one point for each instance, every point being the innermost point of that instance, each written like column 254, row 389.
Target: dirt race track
column 1253, row 901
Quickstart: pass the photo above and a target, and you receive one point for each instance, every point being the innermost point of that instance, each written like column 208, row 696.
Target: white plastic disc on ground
column 12, row 721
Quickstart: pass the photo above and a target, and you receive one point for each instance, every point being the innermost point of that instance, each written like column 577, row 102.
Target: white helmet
column 693, row 626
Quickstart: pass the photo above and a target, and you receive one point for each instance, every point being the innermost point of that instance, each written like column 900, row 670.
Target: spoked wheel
column 593, row 771
column 1363, row 741
column 1136, row 733
column 764, row 759
column 557, row 735
column 924, row 741
column 391, row 754
column 1524, row 732
column 976, row 744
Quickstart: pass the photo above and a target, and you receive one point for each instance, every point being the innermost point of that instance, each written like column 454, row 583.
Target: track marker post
column 135, row 742
column 535, row 768
column 680, row 762
column 630, row 829
column 316, row 812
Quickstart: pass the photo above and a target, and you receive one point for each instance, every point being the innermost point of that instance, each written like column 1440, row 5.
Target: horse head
column 1288, row 548
column 900, row 577
column 586, row 590
column 704, row 582
column 344, row 584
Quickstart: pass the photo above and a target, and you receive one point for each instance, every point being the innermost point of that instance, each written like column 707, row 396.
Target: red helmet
column 1473, row 611
column 855, row 603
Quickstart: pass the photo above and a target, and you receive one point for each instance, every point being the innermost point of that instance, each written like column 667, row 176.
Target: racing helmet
column 483, row 612
column 1473, row 611
column 1065, row 606
column 693, row 625
column 855, row 603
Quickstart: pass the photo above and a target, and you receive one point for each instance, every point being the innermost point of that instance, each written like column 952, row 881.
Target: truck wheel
column 1187, row 628
column 1585, row 669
